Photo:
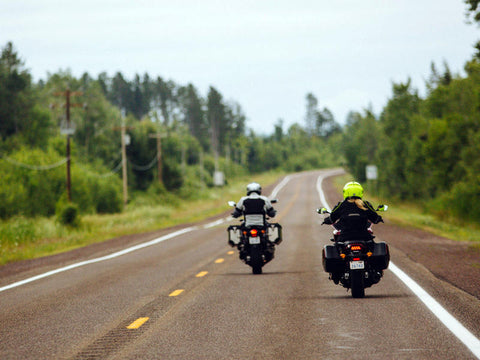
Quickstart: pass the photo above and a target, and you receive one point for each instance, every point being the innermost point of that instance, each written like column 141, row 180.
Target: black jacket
column 352, row 221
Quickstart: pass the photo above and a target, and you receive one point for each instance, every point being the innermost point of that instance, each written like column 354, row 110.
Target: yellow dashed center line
column 219, row 261
column 137, row 323
column 231, row 252
column 176, row 292
column 202, row 274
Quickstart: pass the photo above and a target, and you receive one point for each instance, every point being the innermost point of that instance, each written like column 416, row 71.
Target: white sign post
column 372, row 172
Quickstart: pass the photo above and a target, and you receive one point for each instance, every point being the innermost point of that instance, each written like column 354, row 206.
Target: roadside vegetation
column 27, row 238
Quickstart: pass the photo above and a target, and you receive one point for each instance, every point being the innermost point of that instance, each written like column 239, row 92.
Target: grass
column 413, row 215
column 25, row 238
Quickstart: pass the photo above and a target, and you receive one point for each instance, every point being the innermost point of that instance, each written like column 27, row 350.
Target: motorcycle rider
column 353, row 217
column 254, row 207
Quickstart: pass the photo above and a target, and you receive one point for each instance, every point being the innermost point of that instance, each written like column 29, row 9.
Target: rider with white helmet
column 254, row 206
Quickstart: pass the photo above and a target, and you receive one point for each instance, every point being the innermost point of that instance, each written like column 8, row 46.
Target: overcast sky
column 264, row 54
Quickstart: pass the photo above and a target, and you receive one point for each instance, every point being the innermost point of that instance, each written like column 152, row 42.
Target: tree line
column 200, row 134
column 427, row 149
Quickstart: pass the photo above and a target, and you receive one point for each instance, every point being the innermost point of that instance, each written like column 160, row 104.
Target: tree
column 193, row 114
column 164, row 99
column 474, row 12
column 120, row 93
column 396, row 122
column 215, row 119
column 15, row 93
column 311, row 115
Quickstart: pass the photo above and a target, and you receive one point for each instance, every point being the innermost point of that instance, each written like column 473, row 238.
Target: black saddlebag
column 381, row 256
column 331, row 260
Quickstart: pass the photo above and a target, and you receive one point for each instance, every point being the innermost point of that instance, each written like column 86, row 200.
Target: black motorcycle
column 355, row 264
column 255, row 245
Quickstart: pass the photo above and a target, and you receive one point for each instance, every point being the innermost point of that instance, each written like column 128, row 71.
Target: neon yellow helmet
column 352, row 188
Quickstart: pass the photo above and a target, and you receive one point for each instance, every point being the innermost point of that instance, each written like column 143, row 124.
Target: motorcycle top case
column 381, row 256
column 331, row 260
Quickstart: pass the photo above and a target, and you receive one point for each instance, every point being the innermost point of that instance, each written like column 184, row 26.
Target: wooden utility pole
column 123, row 132
column 69, row 132
column 159, row 136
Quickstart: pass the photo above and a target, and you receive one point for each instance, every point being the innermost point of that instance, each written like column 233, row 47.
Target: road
column 190, row 297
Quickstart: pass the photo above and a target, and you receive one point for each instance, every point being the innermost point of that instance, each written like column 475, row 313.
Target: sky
column 265, row 55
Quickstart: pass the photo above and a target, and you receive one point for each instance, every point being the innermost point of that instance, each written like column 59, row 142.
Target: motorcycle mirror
column 232, row 203
column 322, row 211
column 274, row 201
column 382, row 207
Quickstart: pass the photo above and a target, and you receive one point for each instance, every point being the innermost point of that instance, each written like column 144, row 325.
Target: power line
column 144, row 167
column 34, row 167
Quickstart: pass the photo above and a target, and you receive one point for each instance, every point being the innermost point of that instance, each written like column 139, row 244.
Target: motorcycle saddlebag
column 381, row 256
column 275, row 233
column 331, row 260
column 234, row 234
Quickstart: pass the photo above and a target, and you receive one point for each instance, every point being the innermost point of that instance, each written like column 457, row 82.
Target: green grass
column 25, row 238
column 410, row 214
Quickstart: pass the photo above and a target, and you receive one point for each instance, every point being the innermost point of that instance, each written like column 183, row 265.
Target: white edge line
column 462, row 333
column 130, row 249
column 103, row 258
column 443, row 315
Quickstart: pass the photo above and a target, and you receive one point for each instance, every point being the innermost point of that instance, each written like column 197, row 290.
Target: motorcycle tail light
column 254, row 232
column 356, row 259
column 356, row 247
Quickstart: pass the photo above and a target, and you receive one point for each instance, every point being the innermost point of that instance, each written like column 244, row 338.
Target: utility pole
column 69, row 131
column 159, row 136
column 124, row 141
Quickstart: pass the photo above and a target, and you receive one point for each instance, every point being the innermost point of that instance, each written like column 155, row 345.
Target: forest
column 426, row 149
column 196, row 135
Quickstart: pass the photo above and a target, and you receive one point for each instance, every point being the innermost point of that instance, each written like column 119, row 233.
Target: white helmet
column 254, row 187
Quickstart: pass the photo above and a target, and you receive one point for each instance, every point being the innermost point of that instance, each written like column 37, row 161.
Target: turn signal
column 254, row 232
column 369, row 253
column 342, row 256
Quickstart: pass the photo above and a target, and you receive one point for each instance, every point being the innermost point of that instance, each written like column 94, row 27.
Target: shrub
column 107, row 199
column 67, row 214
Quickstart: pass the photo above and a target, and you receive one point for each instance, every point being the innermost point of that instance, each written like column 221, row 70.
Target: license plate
column 355, row 265
column 254, row 240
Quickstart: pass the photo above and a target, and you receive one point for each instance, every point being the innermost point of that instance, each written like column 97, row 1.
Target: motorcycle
column 254, row 242
column 355, row 264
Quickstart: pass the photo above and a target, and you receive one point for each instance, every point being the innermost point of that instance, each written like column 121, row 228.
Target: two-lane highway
column 190, row 297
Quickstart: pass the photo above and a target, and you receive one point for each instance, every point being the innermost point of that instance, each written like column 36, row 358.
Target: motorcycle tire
column 256, row 261
column 357, row 284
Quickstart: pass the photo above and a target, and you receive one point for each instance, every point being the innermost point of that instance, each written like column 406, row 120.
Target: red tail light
column 254, row 232
column 356, row 259
column 356, row 247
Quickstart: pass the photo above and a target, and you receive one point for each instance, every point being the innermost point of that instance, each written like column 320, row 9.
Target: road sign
column 372, row 172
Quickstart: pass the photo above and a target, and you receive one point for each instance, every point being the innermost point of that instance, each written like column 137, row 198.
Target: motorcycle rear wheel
column 357, row 284
column 256, row 261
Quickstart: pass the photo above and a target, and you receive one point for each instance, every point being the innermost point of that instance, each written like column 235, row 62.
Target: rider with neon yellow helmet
column 352, row 216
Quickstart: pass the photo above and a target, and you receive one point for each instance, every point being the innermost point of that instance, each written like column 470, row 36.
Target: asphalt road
column 190, row 297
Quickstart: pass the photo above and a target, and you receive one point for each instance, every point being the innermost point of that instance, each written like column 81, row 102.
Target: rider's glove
column 327, row 221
